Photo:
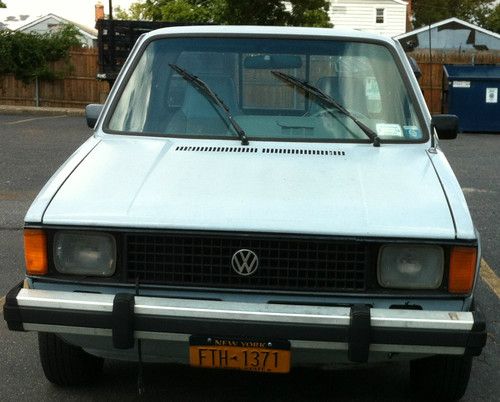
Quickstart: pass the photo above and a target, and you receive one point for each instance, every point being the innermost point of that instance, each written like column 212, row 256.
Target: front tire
column 64, row 364
column 442, row 378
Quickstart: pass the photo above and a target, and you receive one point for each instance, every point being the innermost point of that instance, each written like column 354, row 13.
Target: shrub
column 30, row 55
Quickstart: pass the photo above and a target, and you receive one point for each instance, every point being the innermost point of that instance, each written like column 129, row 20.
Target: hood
column 324, row 189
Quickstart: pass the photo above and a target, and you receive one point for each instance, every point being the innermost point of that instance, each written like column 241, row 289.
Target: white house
column 43, row 24
column 385, row 17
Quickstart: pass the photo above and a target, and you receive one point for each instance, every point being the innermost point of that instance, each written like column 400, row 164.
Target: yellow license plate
column 268, row 356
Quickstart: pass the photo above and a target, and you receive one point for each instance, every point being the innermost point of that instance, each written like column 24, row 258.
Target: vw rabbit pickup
column 256, row 198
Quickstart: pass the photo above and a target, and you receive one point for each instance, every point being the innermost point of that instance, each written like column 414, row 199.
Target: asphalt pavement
column 32, row 147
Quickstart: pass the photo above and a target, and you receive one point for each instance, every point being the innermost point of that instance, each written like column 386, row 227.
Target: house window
column 380, row 16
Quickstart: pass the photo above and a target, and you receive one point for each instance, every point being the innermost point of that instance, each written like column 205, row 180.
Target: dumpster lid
column 478, row 71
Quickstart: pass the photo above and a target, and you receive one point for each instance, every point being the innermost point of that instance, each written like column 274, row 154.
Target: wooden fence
column 81, row 87
column 431, row 81
column 76, row 90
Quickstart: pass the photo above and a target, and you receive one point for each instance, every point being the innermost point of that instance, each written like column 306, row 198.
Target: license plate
column 238, row 354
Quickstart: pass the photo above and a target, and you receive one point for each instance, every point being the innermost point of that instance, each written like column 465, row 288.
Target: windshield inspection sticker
column 412, row 132
column 491, row 95
column 389, row 130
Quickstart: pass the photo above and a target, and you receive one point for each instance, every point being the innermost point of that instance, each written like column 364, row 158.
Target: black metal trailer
column 115, row 41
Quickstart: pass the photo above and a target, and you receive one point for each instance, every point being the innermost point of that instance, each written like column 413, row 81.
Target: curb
column 41, row 111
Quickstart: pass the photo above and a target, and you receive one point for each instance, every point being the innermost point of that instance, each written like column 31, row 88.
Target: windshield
column 361, row 77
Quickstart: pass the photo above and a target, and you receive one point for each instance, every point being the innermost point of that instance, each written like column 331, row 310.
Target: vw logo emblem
column 245, row 262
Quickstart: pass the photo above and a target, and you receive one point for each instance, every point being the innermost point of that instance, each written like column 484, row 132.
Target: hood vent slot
column 217, row 149
column 319, row 152
column 288, row 151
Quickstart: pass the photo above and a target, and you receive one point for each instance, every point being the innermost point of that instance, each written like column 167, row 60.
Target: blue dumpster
column 471, row 92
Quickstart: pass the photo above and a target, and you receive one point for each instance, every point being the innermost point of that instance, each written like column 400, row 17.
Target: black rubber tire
column 441, row 378
column 64, row 364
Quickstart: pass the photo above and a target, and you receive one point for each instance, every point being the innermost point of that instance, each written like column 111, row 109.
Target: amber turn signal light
column 462, row 269
column 35, row 252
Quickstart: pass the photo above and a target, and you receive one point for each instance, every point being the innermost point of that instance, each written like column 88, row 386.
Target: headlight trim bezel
column 84, row 232
column 443, row 266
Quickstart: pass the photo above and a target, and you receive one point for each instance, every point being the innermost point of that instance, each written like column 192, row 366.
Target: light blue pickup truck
column 256, row 198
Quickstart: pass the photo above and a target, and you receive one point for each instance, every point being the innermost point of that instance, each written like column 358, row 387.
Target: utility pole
column 111, row 34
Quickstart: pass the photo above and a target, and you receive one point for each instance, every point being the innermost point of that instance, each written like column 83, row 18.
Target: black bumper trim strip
column 478, row 335
column 273, row 330
column 11, row 310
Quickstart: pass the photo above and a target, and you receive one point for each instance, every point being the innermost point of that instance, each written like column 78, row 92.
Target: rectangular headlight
column 410, row 266
column 85, row 253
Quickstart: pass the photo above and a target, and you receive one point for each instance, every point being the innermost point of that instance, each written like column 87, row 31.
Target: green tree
column 426, row 12
column 235, row 12
column 251, row 12
column 310, row 13
column 492, row 20
column 135, row 12
column 171, row 10
column 2, row 4
column 190, row 11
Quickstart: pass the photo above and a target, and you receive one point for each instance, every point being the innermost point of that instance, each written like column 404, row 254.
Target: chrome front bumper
column 358, row 329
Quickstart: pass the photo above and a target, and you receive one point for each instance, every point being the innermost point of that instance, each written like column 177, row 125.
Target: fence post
column 37, row 94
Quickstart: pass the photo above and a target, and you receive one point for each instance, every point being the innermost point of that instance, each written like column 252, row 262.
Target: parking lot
column 31, row 149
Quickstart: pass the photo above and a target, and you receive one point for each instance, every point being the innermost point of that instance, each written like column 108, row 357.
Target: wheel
column 65, row 364
column 442, row 378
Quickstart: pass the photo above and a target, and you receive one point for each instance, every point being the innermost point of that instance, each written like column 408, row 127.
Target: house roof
column 86, row 31
column 23, row 22
column 13, row 20
column 445, row 22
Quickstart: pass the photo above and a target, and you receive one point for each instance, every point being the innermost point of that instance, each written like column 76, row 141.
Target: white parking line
column 2, row 302
column 469, row 190
column 11, row 123
column 490, row 278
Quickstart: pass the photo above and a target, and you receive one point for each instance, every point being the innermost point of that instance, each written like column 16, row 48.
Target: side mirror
column 415, row 67
column 446, row 126
column 92, row 113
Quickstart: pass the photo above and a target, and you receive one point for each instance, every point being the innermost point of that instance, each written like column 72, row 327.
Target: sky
column 81, row 11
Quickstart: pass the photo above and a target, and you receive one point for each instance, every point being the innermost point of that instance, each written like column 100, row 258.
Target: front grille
column 284, row 264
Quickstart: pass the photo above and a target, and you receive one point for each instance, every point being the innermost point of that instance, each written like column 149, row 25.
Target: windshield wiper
column 329, row 101
column 205, row 89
